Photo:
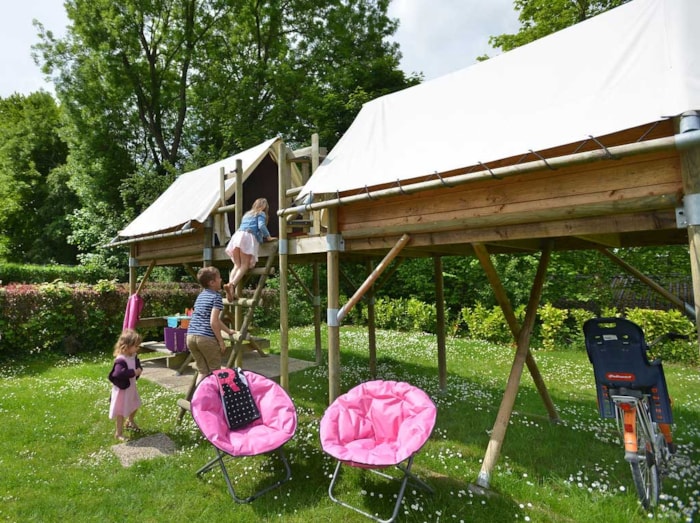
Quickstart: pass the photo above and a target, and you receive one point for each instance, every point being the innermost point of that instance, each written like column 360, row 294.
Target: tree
column 542, row 17
column 152, row 88
column 34, row 194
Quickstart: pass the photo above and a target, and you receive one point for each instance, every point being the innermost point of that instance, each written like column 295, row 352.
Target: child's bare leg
column 243, row 263
column 131, row 424
column 119, row 434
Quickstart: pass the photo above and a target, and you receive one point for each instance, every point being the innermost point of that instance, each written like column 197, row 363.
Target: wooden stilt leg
column 505, row 410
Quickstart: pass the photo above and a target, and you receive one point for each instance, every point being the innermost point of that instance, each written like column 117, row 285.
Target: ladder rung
column 242, row 302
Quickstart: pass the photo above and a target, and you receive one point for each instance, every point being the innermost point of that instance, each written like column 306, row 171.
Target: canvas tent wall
column 194, row 195
column 185, row 225
column 629, row 67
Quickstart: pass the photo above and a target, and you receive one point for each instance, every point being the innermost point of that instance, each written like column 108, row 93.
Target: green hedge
column 72, row 317
column 21, row 273
column 563, row 328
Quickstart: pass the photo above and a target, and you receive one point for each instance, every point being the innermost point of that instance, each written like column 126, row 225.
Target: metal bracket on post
column 283, row 247
column 316, row 301
column 335, row 242
column 332, row 317
column 689, row 214
column 690, row 121
column 208, row 254
column 133, row 262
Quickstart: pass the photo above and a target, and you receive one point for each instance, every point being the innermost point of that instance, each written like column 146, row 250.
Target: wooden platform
column 158, row 371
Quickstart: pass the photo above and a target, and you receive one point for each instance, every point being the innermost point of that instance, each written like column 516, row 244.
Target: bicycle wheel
column 645, row 470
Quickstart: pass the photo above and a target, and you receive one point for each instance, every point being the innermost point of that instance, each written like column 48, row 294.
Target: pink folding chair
column 376, row 425
column 276, row 425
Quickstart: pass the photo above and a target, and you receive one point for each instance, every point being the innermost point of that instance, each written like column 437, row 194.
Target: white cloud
column 441, row 36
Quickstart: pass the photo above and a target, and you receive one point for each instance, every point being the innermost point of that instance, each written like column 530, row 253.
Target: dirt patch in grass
column 149, row 447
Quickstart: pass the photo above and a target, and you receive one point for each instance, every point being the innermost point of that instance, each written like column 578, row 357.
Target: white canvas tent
column 195, row 194
column 630, row 66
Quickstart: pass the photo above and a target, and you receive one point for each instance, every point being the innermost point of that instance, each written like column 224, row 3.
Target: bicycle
column 633, row 391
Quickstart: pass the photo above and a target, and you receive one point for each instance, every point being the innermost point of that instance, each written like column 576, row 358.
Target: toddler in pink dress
column 125, row 399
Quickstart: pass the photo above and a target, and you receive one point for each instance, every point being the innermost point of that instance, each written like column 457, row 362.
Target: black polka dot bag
column 239, row 405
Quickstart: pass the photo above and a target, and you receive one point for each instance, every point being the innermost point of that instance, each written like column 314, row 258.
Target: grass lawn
column 57, row 463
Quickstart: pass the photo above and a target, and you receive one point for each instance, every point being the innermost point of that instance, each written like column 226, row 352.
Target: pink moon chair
column 376, row 425
column 276, row 425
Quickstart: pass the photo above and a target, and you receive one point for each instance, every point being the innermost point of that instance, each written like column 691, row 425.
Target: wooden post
column 283, row 175
column 371, row 327
column 440, row 309
column 315, row 160
column 690, row 174
column 333, row 277
column 238, row 217
column 506, row 409
column 133, row 269
column 317, row 312
column 502, row 299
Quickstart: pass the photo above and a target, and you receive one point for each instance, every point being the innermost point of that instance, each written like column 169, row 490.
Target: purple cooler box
column 175, row 339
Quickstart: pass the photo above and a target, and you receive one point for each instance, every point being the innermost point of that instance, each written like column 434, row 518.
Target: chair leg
column 219, row 460
column 402, row 489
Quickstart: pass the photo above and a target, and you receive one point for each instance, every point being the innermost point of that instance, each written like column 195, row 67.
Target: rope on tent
column 493, row 174
column 610, row 155
column 442, row 180
column 544, row 160
column 368, row 194
column 398, row 182
column 651, row 128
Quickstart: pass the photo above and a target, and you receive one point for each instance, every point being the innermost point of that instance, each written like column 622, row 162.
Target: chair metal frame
column 404, row 466
column 407, row 476
column 222, row 455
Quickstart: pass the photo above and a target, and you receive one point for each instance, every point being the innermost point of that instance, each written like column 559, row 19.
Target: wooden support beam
column 503, row 301
column 146, row 276
column 317, row 313
column 690, row 174
column 506, row 409
column 686, row 308
column 309, row 294
column 440, row 309
column 190, row 271
column 371, row 327
column 283, row 176
column 403, row 241
column 333, row 277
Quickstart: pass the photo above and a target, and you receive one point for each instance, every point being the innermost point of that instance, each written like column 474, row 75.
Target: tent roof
column 630, row 66
column 195, row 194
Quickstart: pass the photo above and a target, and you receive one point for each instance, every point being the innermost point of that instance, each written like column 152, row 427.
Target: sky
column 436, row 37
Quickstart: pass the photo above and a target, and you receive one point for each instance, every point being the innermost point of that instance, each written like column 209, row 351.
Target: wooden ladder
column 243, row 340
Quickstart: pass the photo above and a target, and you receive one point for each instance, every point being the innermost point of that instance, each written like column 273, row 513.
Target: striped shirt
column 200, row 324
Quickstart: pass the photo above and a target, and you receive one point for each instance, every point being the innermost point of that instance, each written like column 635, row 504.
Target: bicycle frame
column 632, row 414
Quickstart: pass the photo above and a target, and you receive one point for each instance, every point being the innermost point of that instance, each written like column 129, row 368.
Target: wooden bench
column 173, row 360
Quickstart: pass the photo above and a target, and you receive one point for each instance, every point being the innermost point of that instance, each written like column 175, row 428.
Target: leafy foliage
column 34, row 193
column 539, row 18
column 154, row 88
